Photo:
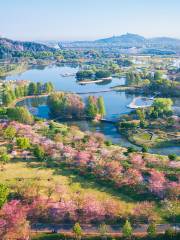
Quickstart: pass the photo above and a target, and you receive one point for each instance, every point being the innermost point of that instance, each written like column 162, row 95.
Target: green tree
column 142, row 117
column 4, row 192
column 141, row 114
column 24, row 90
column 131, row 149
column 32, row 89
column 151, row 230
column 20, row 91
column 144, row 149
column 137, row 79
column 128, row 125
column 39, row 88
column 39, row 152
column 92, row 109
column 48, row 87
column 3, row 150
column 17, row 92
column 23, row 142
column 124, row 62
column 102, row 74
column 127, row 230
column 129, row 78
column 83, row 74
column 172, row 156
column 12, row 93
column 3, row 112
column 4, row 158
column 7, row 98
column 65, row 105
column 10, row 132
column 20, row 114
column 170, row 233
column 101, row 107
column 103, row 230
column 77, row 230
column 157, row 75
column 172, row 209
column 162, row 107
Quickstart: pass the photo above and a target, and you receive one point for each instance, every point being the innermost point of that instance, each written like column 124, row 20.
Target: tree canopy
column 4, row 191
column 20, row 114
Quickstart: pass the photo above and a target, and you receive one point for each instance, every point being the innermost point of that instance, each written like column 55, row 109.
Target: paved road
column 93, row 229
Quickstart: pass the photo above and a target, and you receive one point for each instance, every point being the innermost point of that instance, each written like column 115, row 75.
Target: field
column 26, row 172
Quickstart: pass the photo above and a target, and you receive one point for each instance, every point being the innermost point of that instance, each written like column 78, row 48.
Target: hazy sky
column 88, row 19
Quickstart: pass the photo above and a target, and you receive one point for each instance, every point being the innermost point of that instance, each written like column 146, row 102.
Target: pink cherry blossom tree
column 13, row 221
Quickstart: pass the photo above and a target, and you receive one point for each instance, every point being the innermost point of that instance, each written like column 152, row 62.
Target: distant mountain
column 164, row 41
column 135, row 40
column 128, row 43
column 128, row 40
column 8, row 47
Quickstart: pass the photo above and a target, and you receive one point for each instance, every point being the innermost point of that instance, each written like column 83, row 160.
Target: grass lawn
column 97, row 237
column 145, row 136
column 47, row 237
column 17, row 173
column 141, row 138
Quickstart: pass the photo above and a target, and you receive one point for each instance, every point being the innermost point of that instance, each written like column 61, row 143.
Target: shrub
column 10, row 132
column 4, row 191
column 172, row 156
column 170, row 233
column 39, row 152
column 77, row 230
column 84, row 74
column 131, row 149
column 151, row 230
column 4, row 158
column 108, row 142
column 20, row 114
column 127, row 229
column 102, row 74
column 23, row 142
column 103, row 229
column 144, row 149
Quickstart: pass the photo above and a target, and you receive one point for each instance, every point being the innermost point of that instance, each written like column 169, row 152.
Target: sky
column 88, row 19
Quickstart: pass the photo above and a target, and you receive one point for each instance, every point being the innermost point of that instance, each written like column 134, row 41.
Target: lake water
column 54, row 74
column 115, row 102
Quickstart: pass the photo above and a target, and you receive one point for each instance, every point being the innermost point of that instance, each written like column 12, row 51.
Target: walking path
column 46, row 95
column 94, row 229
column 27, row 97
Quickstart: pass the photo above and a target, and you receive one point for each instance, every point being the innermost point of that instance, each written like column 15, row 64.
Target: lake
column 115, row 102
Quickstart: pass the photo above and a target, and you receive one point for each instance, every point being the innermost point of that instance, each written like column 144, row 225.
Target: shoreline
column 22, row 67
column 106, row 121
column 46, row 95
column 133, row 104
column 89, row 81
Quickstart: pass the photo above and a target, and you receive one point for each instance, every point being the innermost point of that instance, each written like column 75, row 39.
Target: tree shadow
column 88, row 180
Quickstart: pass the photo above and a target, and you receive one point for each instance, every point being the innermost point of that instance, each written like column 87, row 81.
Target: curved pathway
column 46, row 95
